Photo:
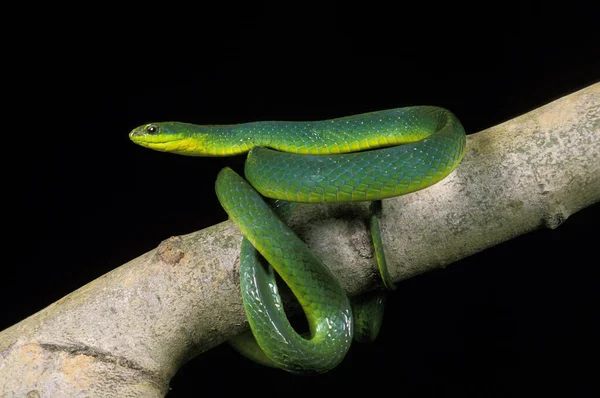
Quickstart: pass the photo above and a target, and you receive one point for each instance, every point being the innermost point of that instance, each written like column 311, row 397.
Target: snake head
column 175, row 137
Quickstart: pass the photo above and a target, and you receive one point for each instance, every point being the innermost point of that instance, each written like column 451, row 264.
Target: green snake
column 365, row 157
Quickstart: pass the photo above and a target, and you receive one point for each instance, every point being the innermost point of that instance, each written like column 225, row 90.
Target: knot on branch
column 169, row 251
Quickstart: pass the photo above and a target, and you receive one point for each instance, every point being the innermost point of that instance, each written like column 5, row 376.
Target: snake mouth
column 145, row 139
column 163, row 145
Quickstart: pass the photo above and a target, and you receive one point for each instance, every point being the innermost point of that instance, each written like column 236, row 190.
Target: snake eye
column 152, row 129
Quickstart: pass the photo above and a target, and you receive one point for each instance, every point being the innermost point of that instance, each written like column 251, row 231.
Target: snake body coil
column 319, row 161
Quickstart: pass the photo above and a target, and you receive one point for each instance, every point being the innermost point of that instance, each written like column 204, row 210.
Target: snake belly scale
column 365, row 157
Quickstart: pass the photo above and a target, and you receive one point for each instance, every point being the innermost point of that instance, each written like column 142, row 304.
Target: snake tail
column 367, row 310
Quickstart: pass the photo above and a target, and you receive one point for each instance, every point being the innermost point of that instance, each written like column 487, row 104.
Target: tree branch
column 127, row 332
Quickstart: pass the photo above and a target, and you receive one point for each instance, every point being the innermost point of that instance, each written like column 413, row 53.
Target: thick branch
column 127, row 332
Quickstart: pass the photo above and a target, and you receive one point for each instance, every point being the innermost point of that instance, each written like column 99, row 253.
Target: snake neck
column 229, row 140
column 226, row 140
column 220, row 140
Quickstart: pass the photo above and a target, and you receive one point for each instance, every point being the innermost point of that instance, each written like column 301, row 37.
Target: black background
column 80, row 199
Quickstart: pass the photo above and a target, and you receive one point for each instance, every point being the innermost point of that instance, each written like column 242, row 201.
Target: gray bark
column 127, row 332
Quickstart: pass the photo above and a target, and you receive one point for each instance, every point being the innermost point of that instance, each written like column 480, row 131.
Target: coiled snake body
column 318, row 161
